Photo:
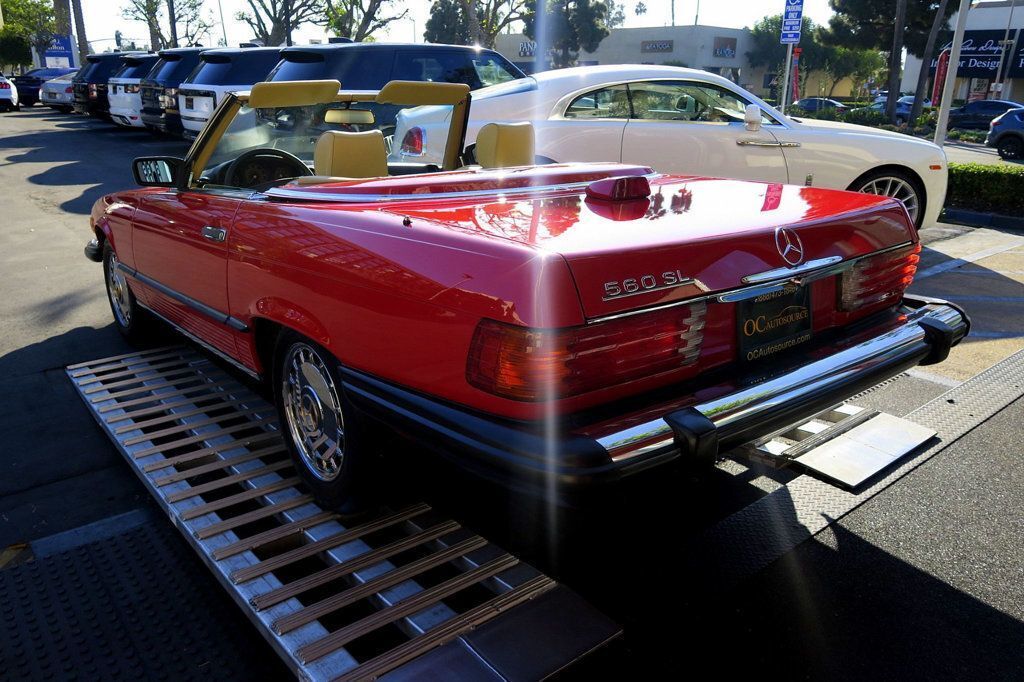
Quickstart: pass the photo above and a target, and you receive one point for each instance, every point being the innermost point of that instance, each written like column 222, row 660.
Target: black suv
column 979, row 114
column 90, row 85
column 159, row 88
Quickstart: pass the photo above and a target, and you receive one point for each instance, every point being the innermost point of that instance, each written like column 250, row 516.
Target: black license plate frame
column 774, row 322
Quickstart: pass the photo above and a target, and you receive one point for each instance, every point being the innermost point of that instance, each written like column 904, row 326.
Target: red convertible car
column 574, row 323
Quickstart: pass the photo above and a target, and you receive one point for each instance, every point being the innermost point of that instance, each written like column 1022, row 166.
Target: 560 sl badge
column 644, row 284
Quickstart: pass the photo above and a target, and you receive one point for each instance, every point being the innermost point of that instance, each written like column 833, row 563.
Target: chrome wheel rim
column 313, row 412
column 117, row 289
column 897, row 188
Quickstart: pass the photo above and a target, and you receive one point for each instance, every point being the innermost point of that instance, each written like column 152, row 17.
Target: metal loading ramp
column 400, row 595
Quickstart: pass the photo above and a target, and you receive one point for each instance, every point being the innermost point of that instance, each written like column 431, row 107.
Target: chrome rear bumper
column 751, row 402
column 930, row 329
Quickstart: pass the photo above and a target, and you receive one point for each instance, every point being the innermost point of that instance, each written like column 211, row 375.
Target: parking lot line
column 970, row 258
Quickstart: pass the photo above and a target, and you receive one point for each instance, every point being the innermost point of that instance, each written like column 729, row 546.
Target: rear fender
column 292, row 316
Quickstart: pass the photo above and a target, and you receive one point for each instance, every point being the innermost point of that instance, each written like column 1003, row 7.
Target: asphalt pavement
column 974, row 152
column 923, row 581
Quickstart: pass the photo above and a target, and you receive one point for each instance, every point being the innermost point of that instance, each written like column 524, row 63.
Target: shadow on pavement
column 82, row 151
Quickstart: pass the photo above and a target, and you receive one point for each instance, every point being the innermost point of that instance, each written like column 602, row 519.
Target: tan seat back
column 500, row 145
column 350, row 155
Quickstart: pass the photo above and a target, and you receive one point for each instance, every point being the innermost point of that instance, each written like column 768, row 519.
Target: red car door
column 180, row 247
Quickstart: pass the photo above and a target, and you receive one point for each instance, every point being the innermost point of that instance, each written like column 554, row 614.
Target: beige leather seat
column 500, row 145
column 350, row 155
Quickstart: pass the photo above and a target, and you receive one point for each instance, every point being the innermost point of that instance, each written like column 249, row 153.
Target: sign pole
column 792, row 24
column 785, row 78
column 954, row 62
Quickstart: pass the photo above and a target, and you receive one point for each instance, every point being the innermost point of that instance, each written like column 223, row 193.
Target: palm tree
column 83, row 42
column 926, row 59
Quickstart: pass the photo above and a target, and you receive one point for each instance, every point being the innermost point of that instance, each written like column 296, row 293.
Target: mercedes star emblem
column 789, row 245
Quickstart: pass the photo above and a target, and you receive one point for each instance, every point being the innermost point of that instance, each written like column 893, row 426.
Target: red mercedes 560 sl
column 576, row 323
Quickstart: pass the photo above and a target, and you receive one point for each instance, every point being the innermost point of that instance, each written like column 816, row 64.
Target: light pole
column 223, row 28
column 954, row 63
column 1004, row 44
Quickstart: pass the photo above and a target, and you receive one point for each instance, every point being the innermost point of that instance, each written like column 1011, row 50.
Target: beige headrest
column 350, row 155
column 500, row 145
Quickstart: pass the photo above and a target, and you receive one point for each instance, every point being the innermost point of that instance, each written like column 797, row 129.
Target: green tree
column 770, row 53
column 856, row 64
column 447, row 24
column 34, row 20
column 870, row 23
column 566, row 27
column 360, row 19
column 14, row 47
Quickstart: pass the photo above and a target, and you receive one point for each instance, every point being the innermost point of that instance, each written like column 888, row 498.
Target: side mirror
column 157, row 171
column 752, row 118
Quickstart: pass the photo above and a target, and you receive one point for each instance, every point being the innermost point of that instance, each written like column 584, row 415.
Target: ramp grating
column 335, row 601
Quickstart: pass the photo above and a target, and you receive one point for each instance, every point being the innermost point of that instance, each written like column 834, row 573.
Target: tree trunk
column 896, row 61
column 172, row 17
column 475, row 30
column 926, row 60
column 62, row 14
column 83, row 42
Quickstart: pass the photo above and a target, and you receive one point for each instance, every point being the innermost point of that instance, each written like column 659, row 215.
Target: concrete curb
column 978, row 219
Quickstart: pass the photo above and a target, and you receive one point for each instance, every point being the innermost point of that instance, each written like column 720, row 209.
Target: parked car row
column 175, row 91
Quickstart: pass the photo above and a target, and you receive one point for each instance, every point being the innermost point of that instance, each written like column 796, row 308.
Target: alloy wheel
column 897, row 188
column 313, row 411
column 117, row 289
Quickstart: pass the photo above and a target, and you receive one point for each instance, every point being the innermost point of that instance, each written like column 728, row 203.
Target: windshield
column 262, row 147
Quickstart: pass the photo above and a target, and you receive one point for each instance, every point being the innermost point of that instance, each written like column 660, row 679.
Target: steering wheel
column 242, row 172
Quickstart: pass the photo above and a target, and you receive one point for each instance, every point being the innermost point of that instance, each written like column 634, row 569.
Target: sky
column 103, row 17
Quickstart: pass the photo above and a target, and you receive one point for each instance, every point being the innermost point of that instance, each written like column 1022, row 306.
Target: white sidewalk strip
column 971, row 258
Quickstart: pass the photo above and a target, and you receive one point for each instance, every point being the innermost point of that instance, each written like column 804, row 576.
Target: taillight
column 69, row 89
column 412, row 143
column 996, row 121
column 5, row 86
column 538, row 364
column 877, row 279
column 92, row 91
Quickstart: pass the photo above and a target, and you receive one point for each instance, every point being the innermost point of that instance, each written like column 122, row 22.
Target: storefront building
column 711, row 48
column 993, row 46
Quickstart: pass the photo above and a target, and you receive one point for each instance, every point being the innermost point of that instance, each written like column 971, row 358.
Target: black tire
column 311, row 410
column 134, row 322
column 877, row 179
column 1010, row 148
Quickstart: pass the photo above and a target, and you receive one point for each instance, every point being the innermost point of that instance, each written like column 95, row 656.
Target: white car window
column 688, row 101
column 610, row 102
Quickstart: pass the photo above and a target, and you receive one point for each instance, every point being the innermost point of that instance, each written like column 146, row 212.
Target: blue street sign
column 60, row 53
column 792, row 20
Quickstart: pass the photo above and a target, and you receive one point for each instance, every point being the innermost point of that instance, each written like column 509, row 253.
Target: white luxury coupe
column 690, row 122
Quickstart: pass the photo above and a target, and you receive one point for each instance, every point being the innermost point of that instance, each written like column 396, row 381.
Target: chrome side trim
column 198, row 306
column 759, row 401
column 787, row 272
column 195, row 339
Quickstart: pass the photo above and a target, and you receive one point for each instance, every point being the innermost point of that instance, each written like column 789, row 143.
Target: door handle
column 214, row 234
column 747, row 142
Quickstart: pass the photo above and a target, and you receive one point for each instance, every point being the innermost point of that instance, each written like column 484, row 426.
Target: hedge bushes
column 986, row 188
